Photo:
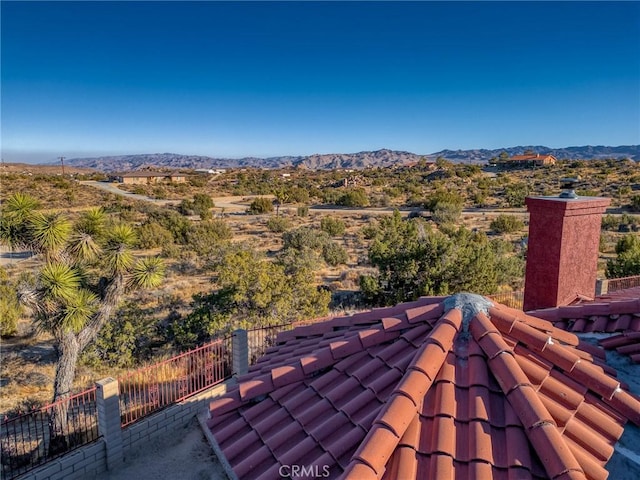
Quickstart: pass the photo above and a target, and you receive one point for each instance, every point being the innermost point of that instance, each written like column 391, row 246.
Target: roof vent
column 568, row 186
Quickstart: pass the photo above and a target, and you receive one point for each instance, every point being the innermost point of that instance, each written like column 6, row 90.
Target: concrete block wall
column 91, row 460
column 86, row 462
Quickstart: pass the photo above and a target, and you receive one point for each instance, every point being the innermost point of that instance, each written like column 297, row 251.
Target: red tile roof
column 611, row 313
column 531, row 156
column 437, row 388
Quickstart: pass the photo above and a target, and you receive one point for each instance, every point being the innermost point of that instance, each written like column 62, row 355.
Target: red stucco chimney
column 562, row 256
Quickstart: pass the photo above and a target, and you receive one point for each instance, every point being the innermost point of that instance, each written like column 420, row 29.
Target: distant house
column 146, row 178
column 533, row 159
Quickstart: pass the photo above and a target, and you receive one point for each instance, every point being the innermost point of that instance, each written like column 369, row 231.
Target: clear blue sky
column 268, row 78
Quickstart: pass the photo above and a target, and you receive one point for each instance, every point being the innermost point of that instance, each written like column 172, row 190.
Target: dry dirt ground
column 185, row 455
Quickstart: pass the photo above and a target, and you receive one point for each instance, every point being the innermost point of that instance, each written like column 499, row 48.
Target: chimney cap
column 568, row 185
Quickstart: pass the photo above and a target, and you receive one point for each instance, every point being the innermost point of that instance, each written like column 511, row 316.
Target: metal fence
column 510, row 299
column 615, row 284
column 27, row 440
column 147, row 390
column 259, row 339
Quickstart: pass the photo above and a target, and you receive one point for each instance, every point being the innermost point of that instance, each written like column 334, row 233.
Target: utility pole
column 62, row 163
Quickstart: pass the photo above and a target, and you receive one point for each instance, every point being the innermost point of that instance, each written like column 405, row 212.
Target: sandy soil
column 185, row 455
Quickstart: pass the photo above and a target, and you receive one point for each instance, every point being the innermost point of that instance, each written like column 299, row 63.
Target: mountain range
column 378, row 158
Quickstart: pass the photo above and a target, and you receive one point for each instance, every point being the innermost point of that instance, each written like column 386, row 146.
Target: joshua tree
column 282, row 197
column 88, row 267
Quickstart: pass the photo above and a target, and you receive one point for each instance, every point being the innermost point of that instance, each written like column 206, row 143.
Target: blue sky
column 269, row 78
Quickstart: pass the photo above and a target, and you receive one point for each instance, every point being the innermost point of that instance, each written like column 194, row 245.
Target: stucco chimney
column 562, row 257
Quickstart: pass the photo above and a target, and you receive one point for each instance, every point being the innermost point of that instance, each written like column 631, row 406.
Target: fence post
column 602, row 286
column 108, row 404
column 240, row 352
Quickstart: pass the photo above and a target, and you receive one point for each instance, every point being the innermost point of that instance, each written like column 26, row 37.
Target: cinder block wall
column 86, row 462
column 168, row 420
column 90, row 461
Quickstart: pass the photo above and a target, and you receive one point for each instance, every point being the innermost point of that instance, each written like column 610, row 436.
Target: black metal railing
column 34, row 438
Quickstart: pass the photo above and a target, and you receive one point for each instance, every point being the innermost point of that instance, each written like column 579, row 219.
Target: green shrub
column 334, row 254
column 305, row 237
column 160, row 193
column 205, row 237
column 627, row 263
column 294, row 261
column 609, row 222
column 515, row 194
column 333, row 226
column 506, row 224
column 199, row 326
column 185, row 207
column 627, row 243
column 278, row 224
column 123, row 341
column 171, row 250
column 479, row 199
column 260, row 205
column 449, row 197
column 303, row 211
column 355, row 198
column 172, row 221
column 298, row 195
column 152, row 235
column 446, row 213
column 202, row 204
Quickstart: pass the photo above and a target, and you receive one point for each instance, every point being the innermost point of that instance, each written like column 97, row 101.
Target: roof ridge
column 392, row 421
column 421, row 310
column 540, row 427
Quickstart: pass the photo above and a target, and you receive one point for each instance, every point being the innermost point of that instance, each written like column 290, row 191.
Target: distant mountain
column 378, row 158
column 587, row 152
column 123, row 163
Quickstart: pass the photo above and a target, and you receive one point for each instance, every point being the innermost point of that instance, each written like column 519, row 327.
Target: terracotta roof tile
column 341, row 448
column 421, row 390
column 599, row 421
column 611, row 313
column 627, row 343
